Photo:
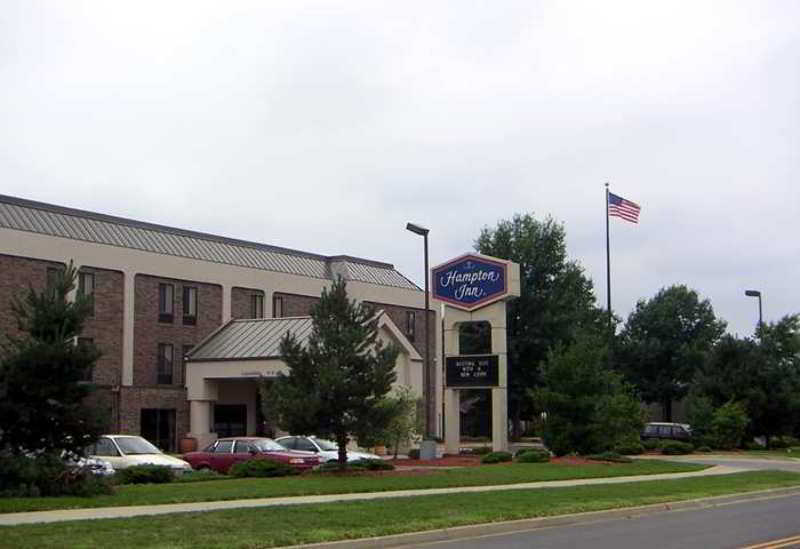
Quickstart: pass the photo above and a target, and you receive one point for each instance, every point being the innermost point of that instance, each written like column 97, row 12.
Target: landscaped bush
column 47, row 475
column 482, row 450
column 413, row 453
column 632, row 448
column 144, row 474
column 652, row 443
column 704, row 449
column 729, row 425
column 676, row 448
column 261, row 468
column 533, row 455
column 496, row 457
column 360, row 465
column 752, row 445
column 610, row 456
column 199, row 476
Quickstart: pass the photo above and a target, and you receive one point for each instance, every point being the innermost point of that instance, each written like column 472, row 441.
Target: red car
column 225, row 452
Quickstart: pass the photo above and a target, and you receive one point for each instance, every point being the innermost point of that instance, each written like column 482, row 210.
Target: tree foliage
column 589, row 408
column 665, row 341
column 43, row 390
column 556, row 303
column 762, row 374
column 338, row 379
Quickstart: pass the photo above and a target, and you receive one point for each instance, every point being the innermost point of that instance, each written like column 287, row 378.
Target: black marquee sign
column 472, row 371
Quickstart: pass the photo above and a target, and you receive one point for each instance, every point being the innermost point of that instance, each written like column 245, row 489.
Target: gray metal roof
column 245, row 339
column 38, row 217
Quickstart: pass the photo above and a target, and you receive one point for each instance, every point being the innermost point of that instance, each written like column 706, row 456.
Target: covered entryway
column 224, row 372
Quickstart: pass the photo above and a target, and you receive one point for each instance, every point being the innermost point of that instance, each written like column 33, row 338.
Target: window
column 305, row 445
column 166, row 304
column 165, row 358
column 86, row 342
column 244, row 447
column 257, row 305
column 189, row 305
column 105, row 447
column 53, row 276
column 223, row 447
column 277, row 306
column 158, row 426
column 411, row 324
column 86, row 288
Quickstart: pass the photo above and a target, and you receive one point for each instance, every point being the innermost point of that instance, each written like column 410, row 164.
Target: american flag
column 619, row 207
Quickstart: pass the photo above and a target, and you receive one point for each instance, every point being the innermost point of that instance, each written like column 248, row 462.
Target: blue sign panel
column 470, row 282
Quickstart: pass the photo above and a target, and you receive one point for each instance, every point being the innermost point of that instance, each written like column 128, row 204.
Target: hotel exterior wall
column 105, row 326
column 130, row 262
column 17, row 274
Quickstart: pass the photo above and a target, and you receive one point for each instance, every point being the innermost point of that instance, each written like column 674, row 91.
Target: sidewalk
column 61, row 515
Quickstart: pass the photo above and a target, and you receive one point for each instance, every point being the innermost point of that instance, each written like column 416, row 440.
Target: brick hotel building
column 160, row 291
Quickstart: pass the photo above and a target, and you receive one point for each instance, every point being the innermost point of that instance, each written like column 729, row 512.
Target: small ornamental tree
column 43, row 374
column 338, row 379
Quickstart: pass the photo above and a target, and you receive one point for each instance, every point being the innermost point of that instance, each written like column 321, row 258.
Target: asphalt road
column 729, row 526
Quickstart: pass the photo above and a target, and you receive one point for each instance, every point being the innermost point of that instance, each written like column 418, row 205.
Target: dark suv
column 671, row 431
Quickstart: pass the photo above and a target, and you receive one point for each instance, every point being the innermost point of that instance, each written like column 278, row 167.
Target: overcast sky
column 326, row 126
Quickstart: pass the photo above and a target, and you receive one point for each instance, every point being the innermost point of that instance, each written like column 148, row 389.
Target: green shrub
column 533, row 455
column 704, row 449
column 413, row 453
column 360, row 465
column 261, row 468
column 47, row 475
column 729, row 425
column 652, row 443
column 676, row 448
column 199, row 476
column 632, row 448
column 482, row 450
column 610, row 456
column 496, row 457
column 752, row 445
column 780, row 443
column 144, row 474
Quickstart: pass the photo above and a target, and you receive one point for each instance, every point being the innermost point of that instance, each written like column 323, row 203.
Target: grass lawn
column 314, row 484
column 783, row 453
column 290, row 525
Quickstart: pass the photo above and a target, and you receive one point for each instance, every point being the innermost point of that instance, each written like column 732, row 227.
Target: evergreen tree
column 43, row 373
column 556, row 303
column 336, row 381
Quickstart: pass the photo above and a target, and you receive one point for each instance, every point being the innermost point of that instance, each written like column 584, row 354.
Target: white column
column 200, row 422
column 499, row 419
column 128, row 314
column 452, row 421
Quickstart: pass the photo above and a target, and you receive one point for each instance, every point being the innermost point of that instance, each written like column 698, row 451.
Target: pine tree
column 43, row 374
column 337, row 380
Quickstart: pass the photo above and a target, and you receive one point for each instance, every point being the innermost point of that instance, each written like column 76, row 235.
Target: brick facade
column 241, row 303
column 17, row 274
column 105, row 327
column 293, row 304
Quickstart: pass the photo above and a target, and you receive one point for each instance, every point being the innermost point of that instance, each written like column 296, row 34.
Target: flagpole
column 608, row 264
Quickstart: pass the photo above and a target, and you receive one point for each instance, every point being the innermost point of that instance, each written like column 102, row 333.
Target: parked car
column 124, row 451
column 325, row 449
column 223, row 453
column 671, row 431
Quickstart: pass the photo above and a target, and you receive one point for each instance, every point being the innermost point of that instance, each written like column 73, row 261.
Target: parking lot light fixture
column 756, row 293
column 428, row 382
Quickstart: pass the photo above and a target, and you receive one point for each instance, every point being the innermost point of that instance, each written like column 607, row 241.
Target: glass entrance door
column 230, row 420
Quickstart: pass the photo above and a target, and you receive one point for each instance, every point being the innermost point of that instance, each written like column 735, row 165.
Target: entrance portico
column 225, row 369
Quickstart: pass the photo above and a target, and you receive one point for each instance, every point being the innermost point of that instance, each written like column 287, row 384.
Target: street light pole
column 428, row 382
column 756, row 293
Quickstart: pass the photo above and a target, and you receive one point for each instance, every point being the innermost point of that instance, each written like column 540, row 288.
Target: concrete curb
column 523, row 525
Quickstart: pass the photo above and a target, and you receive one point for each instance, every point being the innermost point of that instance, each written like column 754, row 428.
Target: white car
column 123, row 451
column 325, row 449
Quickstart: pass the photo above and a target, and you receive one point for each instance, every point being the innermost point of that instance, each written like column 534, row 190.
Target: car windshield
column 326, row 445
column 136, row 445
column 268, row 445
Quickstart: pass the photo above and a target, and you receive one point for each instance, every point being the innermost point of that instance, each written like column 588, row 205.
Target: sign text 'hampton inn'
column 470, row 282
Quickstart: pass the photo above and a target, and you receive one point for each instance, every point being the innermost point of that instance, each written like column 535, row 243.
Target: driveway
column 743, row 462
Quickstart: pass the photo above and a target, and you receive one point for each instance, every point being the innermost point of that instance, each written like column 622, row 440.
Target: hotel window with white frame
column 166, row 302
column 86, row 287
column 257, row 305
column 165, row 361
column 277, row 306
column 189, row 305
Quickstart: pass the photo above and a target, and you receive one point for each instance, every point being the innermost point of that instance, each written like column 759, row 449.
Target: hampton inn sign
column 470, row 282
column 474, row 288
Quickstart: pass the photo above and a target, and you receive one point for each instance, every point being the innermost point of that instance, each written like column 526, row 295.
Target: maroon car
column 225, row 452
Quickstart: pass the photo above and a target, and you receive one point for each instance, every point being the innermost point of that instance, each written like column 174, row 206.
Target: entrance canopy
column 249, row 349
